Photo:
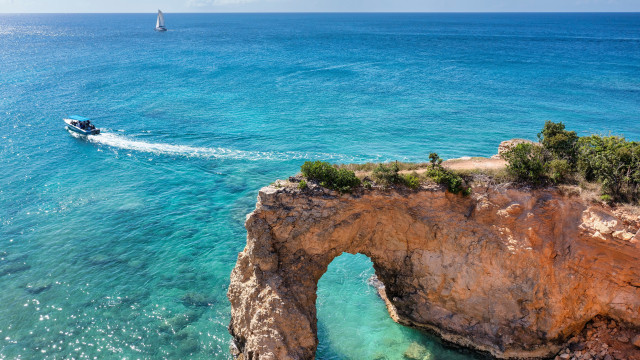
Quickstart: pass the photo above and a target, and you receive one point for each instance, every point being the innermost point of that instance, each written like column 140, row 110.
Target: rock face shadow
column 506, row 271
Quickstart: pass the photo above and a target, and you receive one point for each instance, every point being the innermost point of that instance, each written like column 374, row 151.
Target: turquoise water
column 121, row 245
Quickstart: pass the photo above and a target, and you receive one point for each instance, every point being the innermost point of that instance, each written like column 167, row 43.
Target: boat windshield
column 83, row 124
column 78, row 118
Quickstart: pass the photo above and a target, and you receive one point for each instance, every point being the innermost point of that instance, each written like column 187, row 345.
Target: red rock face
column 512, row 272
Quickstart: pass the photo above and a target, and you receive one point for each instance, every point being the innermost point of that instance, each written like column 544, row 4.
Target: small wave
column 356, row 66
column 123, row 142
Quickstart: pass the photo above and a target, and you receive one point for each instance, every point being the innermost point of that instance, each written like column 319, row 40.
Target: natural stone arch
column 502, row 271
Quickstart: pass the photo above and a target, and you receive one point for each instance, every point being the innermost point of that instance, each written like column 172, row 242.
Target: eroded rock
column 510, row 144
column 512, row 272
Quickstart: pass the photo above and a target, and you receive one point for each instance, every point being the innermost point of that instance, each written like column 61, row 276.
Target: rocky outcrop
column 515, row 273
column 602, row 339
column 507, row 145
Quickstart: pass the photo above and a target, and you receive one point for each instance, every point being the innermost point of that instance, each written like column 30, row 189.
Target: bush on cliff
column 330, row 176
column 390, row 175
column 526, row 163
column 438, row 173
column 412, row 181
column 558, row 142
column 613, row 162
column 387, row 174
column 558, row 171
column 562, row 156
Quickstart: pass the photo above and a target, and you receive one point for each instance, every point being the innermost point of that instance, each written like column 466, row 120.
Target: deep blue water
column 102, row 239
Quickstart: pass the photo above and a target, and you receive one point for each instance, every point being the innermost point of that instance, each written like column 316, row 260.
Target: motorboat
column 81, row 125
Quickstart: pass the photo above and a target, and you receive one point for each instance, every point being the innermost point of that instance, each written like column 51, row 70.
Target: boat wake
column 125, row 143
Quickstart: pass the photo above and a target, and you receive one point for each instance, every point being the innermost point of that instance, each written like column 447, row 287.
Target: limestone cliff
column 508, row 271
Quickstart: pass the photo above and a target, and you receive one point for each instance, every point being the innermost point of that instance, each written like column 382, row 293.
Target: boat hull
column 80, row 131
column 161, row 29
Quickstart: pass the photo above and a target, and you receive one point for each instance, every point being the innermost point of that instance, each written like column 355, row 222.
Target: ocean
column 121, row 245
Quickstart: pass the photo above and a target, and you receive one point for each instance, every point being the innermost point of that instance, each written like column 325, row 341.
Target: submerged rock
column 101, row 259
column 196, row 299
column 13, row 268
column 178, row 322
column 189, row 345
column 38, row 286
column 415, row 351
column 137, row 264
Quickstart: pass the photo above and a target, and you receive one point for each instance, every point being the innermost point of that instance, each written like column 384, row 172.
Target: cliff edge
column 513, row 272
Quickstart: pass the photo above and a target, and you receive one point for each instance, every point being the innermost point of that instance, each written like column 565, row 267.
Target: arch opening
column 353, row 321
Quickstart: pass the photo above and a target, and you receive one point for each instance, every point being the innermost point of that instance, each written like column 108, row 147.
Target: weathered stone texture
column 512, row 272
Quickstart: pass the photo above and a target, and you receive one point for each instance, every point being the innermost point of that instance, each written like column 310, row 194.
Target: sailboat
column 160, row 22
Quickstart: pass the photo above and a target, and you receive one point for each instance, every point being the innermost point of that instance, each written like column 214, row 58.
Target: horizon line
column 333, row 12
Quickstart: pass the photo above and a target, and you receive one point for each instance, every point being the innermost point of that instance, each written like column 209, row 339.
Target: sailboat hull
column 161, row 29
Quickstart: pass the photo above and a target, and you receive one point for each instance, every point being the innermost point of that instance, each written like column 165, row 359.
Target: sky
column 143, row 6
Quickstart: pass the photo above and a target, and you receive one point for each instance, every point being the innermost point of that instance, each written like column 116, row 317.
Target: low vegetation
column 610, row 164
column 452, row 180
column 330, row 176
column 387, row 175
column 369, row 167
column 564, row 157
column 344, row 179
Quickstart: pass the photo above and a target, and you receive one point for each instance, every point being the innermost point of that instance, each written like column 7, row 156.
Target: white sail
column 160, row 21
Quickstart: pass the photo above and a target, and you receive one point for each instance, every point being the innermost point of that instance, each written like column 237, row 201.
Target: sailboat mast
column 160, row 21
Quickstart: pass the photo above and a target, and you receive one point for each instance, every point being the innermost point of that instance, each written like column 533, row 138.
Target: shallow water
column 121, row 245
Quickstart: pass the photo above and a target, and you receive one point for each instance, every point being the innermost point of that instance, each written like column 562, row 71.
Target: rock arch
column 506, row 271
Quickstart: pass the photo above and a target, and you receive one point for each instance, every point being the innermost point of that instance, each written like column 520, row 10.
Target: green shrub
column 560, row 143
column 367, row 184
column 318, row 170
column 558, row 170
column 302, row 185
column 387, row 174
column 411, row 181
column 345, row 181
column 390, row 175
column 330, row 176
column 435, row 159
column 451, row 180
column 606, row 198
column 613, row 162
column 526, row 162
column 454, row 182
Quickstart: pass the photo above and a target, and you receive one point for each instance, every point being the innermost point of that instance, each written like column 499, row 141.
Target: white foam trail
column 122, row 142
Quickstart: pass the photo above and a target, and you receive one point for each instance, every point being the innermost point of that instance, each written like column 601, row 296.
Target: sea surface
column 120, row 246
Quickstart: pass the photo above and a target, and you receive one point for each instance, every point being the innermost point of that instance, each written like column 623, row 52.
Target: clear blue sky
column 9, row 6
